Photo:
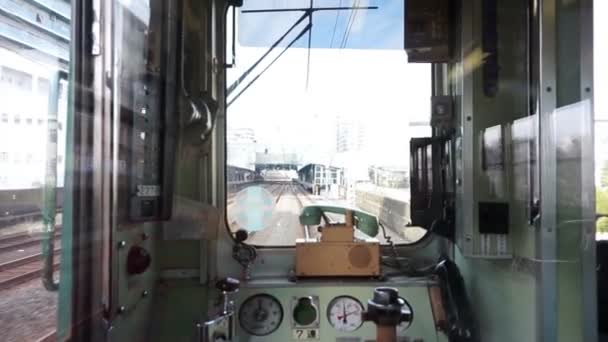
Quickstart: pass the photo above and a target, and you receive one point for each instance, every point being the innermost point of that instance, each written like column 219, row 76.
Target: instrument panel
column 323, row 312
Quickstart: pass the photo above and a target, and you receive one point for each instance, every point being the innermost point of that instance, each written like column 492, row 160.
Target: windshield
column 329, row 124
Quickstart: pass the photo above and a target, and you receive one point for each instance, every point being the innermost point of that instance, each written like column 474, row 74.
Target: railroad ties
column 21, row 258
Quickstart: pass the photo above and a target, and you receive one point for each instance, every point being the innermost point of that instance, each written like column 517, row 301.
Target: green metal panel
column 503, row 298
column 179, row 305
column 502, row 292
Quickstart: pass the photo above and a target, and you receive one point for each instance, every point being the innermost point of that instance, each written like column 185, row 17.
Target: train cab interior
column 304, row 170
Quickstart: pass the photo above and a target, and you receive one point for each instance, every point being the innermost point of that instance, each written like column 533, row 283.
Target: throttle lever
column 221, row 327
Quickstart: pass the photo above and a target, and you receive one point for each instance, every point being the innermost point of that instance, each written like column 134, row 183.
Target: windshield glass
column 329, row 124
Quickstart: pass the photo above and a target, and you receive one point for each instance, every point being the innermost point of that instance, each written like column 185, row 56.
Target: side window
column 25, row 92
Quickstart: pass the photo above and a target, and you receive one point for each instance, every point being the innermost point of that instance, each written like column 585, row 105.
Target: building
column 241, row 148
column 34, row 45
column 390, row 177
column 316, row 177
column 275, row 161
column 350, row 135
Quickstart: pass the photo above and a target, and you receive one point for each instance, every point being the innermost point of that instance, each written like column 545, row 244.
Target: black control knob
column 241, row 235
column 228, row 285
column 385, row 308
column 138, row 260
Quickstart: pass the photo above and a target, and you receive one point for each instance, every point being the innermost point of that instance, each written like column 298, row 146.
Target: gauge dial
column 260, row 315
column 345, row 313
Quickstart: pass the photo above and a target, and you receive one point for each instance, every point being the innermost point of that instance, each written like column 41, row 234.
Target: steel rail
column 32, row 270
column 36, row 240
column 22, row 261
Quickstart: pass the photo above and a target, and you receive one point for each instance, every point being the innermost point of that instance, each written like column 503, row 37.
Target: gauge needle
column 346, row 314
column 343, row 314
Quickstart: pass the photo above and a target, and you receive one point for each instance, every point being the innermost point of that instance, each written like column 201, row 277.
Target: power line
column 248, row 71
column 309, row 43
column 351, row 21
column 335, row 26
column 304, row 30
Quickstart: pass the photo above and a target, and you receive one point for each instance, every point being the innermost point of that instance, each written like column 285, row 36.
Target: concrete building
column 34, row 45
column 241, row 147
column 350, row 135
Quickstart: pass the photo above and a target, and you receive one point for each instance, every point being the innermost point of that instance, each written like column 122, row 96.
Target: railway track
column 303, row 200
column 16, row 269
column 281, row 191
column 20, row 241
column 13, row 219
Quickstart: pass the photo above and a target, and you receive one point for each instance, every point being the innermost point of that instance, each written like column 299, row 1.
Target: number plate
column 305, row 334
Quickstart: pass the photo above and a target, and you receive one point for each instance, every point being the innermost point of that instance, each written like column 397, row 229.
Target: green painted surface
column 64, row 306
column 570, row 173
column 367, row 223
column 502, row 295
column 503, row 299
column 180, row 304
column 183, row 254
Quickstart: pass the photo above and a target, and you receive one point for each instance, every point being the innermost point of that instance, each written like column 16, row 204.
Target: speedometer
column 345, row 313
column 260, row 315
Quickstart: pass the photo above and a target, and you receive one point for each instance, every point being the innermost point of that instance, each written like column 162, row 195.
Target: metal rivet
column 121, row 309
column 458, row 181
column 121, row 244
column 588, row 89
column 145, row 293
column 468, row 118
column 549, row 89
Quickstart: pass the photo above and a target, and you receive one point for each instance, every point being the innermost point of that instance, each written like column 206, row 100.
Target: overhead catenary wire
column 349, row 25
column 307, row 13
column 304, row 30
column 251, row 68
column 333, row 34
column 309, row 44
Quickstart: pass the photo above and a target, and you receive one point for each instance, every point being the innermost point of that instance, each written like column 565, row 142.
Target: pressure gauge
column 345, row 313
column 260, row 315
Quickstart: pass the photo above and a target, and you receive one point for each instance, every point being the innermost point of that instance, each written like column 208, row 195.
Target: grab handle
column 49, row 209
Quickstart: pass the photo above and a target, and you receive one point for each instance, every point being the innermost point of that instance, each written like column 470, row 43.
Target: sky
column 368, row 29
